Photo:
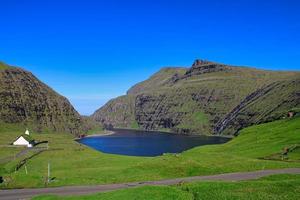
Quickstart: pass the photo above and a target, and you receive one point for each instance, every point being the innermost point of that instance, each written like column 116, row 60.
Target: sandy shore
column 101, row 134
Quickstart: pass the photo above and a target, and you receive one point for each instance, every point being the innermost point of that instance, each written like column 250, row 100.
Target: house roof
column 26, row 137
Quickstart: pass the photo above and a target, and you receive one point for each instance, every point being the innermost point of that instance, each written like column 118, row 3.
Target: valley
column 203, row 99
column 150, row 100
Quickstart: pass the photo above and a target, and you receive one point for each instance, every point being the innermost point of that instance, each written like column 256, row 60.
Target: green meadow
column 74, row 164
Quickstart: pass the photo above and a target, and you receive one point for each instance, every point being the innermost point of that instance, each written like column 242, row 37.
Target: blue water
column 145, row 143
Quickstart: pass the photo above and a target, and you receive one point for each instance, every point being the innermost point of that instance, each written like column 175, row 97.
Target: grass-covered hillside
column 118, row 111
column 3, row 66
column 202, row 98
column 268, row 103
column 25, row 100
column 257, row 147
column 157, row 80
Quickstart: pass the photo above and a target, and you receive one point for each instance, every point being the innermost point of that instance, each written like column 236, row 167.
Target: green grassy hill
column 199, row 100
column 157, row 80
column 28, row 102
column 268, row 103
column 4, row 66
column 118, row 111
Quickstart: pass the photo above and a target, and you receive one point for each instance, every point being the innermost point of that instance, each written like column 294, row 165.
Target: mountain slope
column 26, row 100
column 198, row 99
column 118, row 111
column 157, row 80
column 3, row 66
column 265, row 104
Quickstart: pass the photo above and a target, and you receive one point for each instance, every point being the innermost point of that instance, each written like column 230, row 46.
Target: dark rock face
column 152, row 112
column 200, row 67
column 24, row 99
column 199, row 62
column 205, row 68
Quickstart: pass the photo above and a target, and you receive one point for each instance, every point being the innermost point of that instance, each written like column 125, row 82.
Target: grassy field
column 75, row 164
column 273, row 187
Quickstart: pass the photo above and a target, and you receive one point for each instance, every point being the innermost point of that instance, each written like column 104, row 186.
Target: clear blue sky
column 91, row 51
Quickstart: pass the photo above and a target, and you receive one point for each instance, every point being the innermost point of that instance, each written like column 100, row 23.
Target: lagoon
column 147, row 143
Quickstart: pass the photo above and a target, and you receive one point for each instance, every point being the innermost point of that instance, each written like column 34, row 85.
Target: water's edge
column 146, row 143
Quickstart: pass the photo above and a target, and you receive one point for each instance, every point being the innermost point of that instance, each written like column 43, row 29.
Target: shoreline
column 101, row 134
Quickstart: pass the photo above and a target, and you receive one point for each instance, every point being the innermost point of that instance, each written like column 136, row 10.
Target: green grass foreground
column 273, row 187
column 75, row 164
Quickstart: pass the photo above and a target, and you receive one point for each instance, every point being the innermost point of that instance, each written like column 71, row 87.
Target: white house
column 24, row 140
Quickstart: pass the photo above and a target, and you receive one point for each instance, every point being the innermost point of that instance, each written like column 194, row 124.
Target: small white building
column 24, row 140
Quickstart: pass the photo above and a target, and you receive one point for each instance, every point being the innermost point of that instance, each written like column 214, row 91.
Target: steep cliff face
column 118, row 112
column 198, row 99
column 26, row 100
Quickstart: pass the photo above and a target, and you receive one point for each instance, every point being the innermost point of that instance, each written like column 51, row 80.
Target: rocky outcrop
column 200, row 67
column 26, row 100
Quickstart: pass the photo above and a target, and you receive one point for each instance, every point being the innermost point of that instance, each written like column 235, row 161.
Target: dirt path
column 21, row 153
column 80, row 190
